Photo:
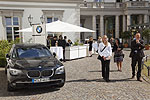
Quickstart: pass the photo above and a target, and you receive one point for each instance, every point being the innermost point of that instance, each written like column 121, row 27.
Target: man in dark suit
column 64, row 46
column 137, row 55
column 62, row 43
column 53, row 41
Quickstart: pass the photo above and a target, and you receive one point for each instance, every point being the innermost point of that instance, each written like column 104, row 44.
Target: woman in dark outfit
column 118, row 54
column 90, row 46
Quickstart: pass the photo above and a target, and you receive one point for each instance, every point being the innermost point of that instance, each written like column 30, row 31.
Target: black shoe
column 133, row 77
column 107, row 80
column 104, row 78
column 139, row 79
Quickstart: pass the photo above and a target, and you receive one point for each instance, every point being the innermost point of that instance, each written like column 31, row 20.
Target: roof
column 45, row 1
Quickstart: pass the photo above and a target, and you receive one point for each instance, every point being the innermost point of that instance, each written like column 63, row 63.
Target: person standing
column 99, row 41
column 137, row 55
column 105, row 52
column 64, row 46
column 112, row 43
column 48, row 42
column 90, row 46
column 53, row 41
column 118, row 54
column 69, row 43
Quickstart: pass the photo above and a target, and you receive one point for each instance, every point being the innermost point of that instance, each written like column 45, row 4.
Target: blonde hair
column 99, row 37
column 105, row 42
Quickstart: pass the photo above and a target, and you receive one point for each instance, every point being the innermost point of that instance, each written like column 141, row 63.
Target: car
column 33, row 65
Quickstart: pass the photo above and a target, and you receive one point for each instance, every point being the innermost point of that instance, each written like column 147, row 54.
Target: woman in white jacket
column 105, row 52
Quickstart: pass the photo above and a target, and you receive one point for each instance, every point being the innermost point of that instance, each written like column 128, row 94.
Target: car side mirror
column 54, row 54
column 7, row 56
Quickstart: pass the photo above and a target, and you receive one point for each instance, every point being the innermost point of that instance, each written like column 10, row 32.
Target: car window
column 33, row 52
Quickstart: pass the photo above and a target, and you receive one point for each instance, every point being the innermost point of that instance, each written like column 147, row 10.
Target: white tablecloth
column 58, row 51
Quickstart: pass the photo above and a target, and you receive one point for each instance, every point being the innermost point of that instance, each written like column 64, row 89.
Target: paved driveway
column 84, row 82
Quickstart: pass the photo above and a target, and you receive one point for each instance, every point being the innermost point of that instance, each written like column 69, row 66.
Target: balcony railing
column 137, row 4
column 115, row 5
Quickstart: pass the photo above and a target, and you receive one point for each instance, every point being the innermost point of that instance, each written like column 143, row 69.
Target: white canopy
column 59, row 26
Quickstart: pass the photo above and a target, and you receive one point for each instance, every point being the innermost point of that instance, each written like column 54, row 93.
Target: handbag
column 99, row 57
column 118, row 54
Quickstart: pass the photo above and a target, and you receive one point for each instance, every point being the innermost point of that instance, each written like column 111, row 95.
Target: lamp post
column 42, row 18
column 30, row 19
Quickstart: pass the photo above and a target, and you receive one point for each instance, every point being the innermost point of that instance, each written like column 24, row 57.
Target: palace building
column 110, row 17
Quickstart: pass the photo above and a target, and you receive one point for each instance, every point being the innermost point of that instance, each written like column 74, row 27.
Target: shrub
column 3, row 61
column 5, row 47
column 146, row 34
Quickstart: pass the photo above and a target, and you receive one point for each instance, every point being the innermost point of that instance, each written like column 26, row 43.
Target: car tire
column 5, row 70
column 60, row 85
column 9, row 87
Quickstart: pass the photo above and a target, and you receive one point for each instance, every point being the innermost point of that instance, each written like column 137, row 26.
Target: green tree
column 146, row 34
column 126, row 35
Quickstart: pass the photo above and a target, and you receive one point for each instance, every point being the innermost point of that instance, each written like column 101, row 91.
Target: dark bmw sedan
column 33, row 65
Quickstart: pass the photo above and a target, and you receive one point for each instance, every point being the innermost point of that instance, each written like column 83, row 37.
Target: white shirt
column 107, row 52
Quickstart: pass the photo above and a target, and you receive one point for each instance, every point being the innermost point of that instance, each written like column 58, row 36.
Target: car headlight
column 14, row 72
column 60, row 70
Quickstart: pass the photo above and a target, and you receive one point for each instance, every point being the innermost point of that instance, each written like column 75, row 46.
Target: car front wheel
column 9, row 87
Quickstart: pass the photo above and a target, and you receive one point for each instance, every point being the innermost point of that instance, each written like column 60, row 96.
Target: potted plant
column 146, row 34
column 125, row 35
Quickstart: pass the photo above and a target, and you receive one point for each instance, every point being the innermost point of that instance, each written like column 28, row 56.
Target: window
column 8, row 21
column 98, row 0
column 55, row 19
column 15, row 21
column 50, row 19
column 12, row 25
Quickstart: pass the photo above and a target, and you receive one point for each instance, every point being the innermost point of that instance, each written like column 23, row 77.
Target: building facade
column 111, row 17
column 14, row 16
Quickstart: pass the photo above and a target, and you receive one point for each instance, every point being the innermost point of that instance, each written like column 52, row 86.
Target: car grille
column 33, row 73
column 37, row 73
column 46, row 73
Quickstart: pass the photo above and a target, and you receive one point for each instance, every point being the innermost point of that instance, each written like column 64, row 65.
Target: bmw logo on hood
column 38, row 29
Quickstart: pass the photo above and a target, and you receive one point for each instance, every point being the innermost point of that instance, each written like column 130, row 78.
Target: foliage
column 76, row 43
column 5, row 47
column 126, row 35
column 3, row 61
column 146, row 34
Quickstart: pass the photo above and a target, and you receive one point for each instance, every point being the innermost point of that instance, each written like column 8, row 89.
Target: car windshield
column 33, row 52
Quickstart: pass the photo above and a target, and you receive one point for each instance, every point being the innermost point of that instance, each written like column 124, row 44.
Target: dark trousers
column 64, row 55
column 105, row 68
column 134, row 62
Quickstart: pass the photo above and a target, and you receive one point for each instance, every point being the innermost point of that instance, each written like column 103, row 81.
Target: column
column 124, row 23
column 146, row 19
column 117, row 26
column 128, row 21
column 140, row 19
column 101, row 25
column 105, row 26
column 94, row 26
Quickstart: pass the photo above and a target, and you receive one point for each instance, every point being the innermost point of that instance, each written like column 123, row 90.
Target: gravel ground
column 84, row 82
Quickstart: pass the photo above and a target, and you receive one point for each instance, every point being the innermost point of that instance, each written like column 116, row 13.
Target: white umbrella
column 25, row 30
column 59, row 26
